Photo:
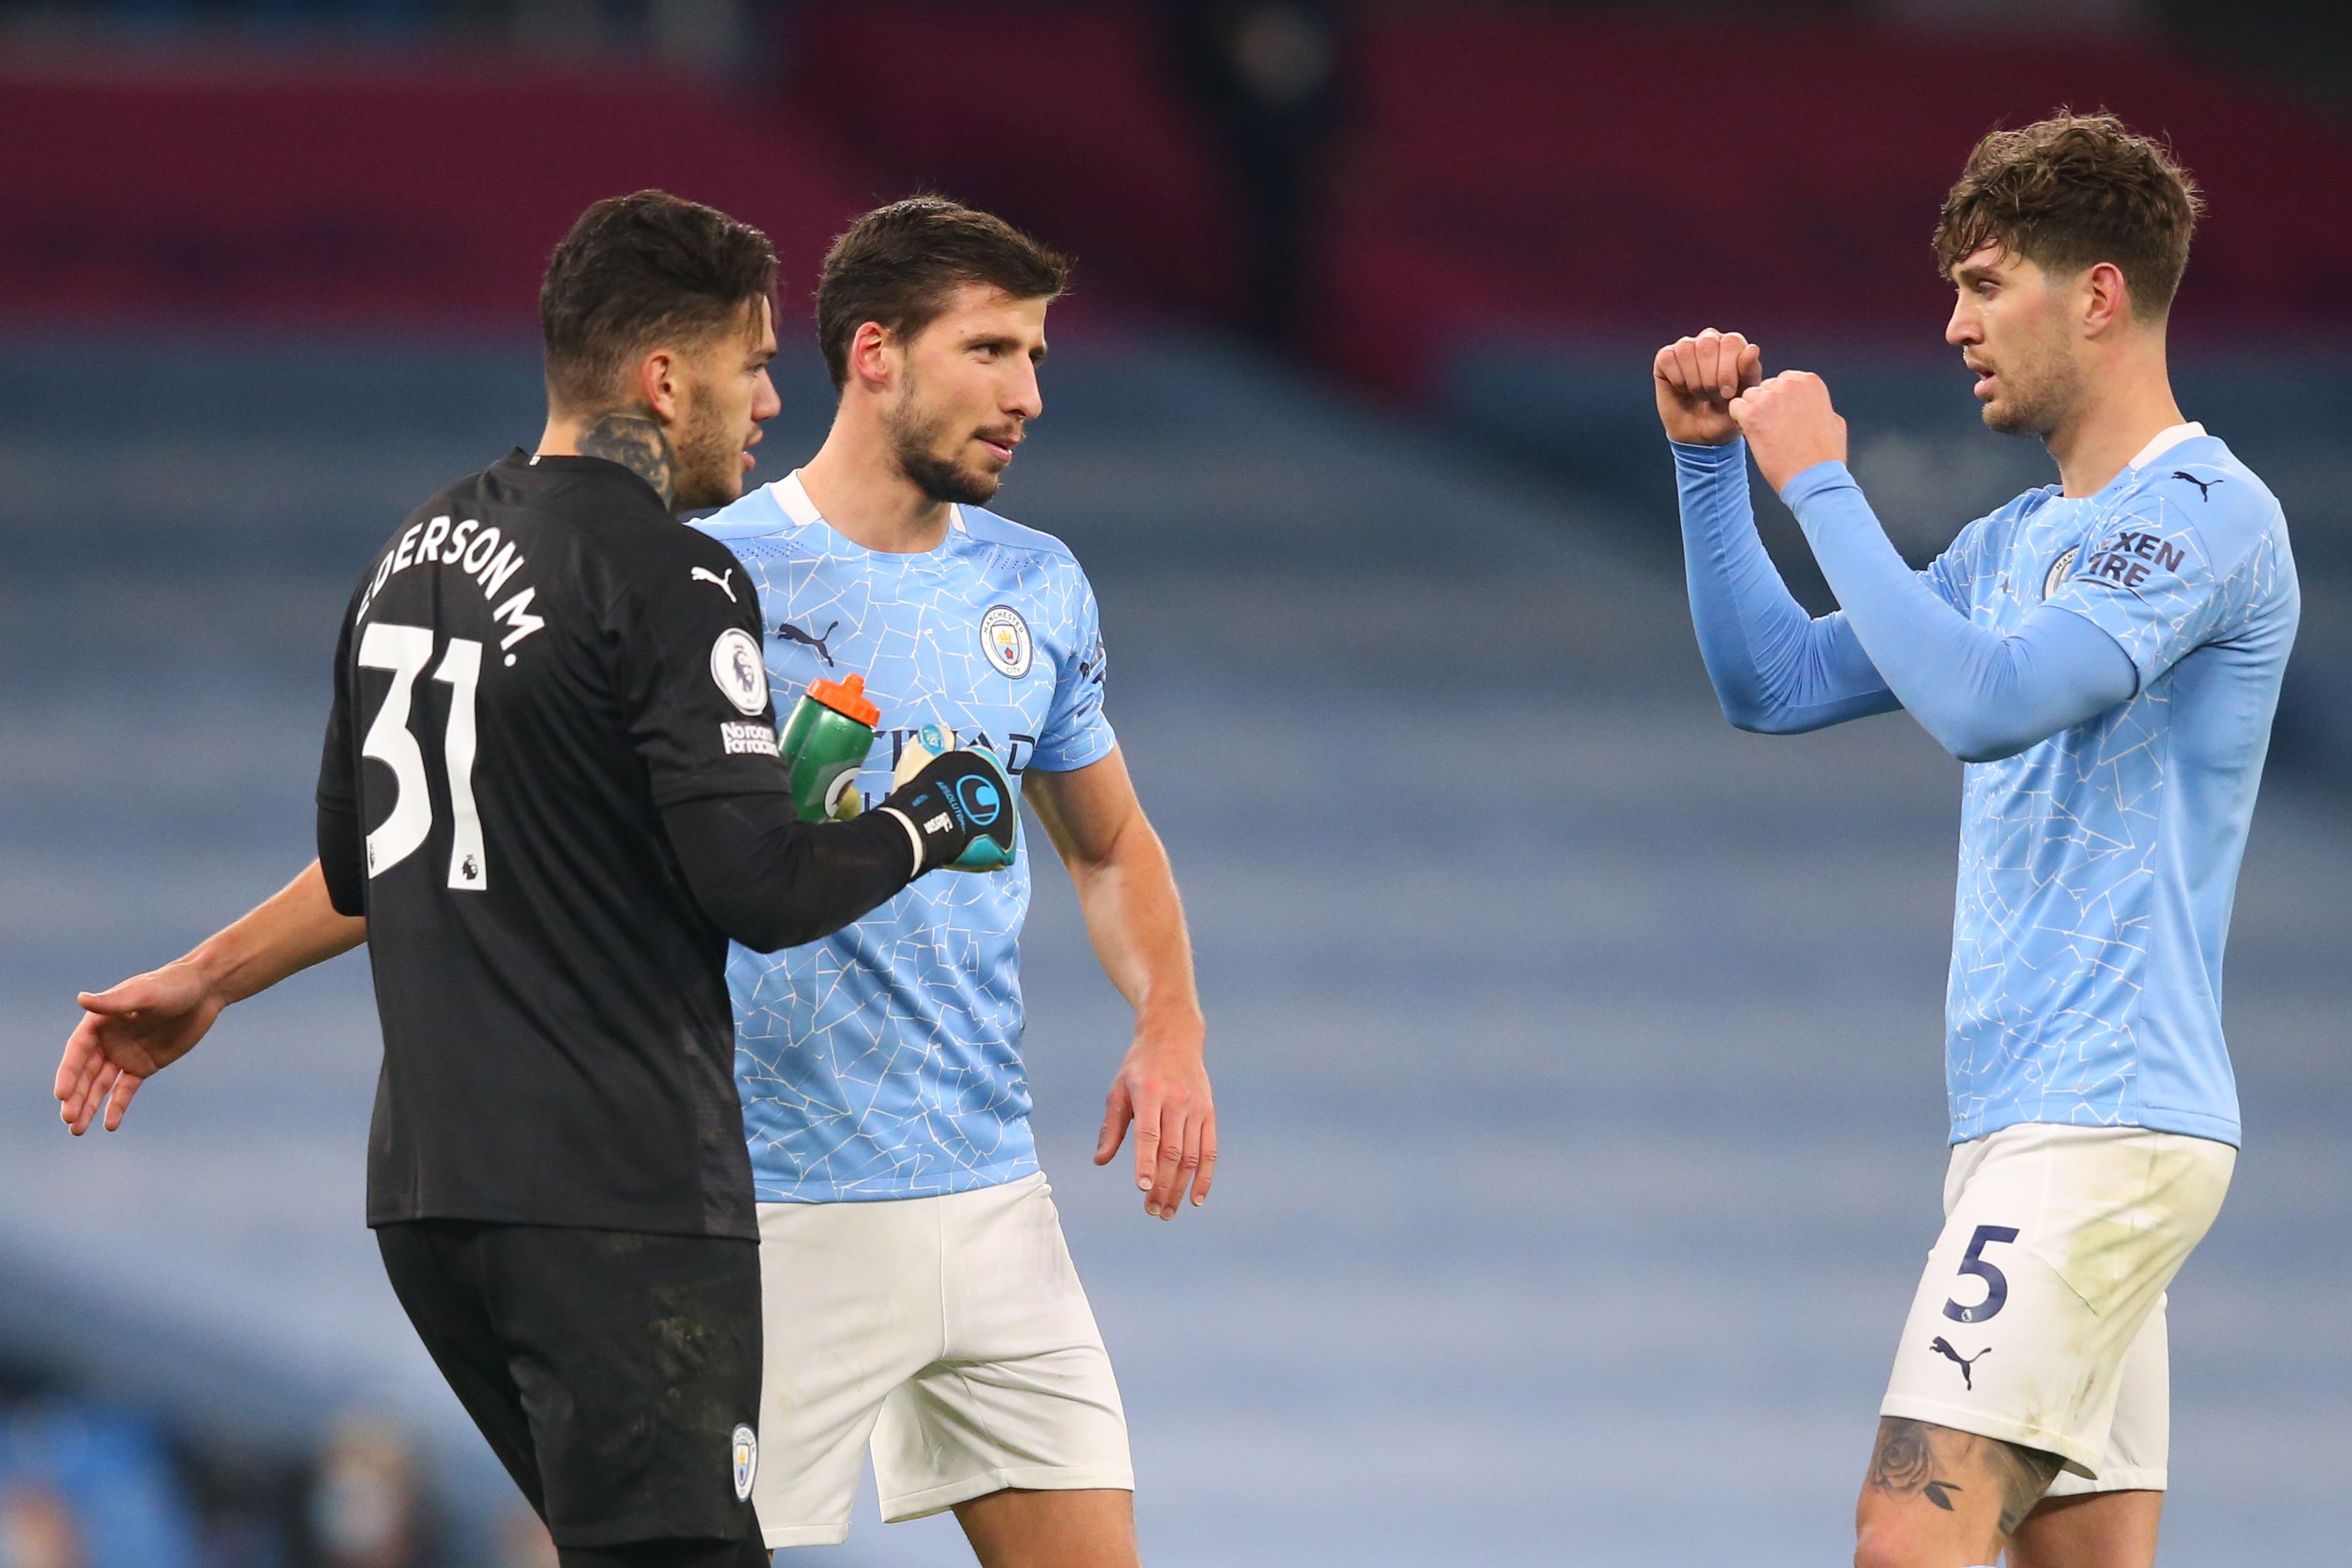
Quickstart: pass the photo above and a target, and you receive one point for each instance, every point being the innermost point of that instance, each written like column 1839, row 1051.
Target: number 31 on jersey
column 406, row 651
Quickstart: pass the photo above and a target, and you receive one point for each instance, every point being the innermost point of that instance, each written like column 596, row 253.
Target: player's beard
column 710, row 458
column 2036, row 401
column 914, row 445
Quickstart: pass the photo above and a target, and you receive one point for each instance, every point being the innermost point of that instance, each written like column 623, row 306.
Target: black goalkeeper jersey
column 540, row 661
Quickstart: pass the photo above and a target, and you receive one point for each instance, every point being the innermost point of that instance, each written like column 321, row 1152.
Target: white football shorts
column 952, row 1335
column 2040, row 1319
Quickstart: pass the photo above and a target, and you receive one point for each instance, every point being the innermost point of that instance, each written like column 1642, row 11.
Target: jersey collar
column 794, row 499
column 2164, row 440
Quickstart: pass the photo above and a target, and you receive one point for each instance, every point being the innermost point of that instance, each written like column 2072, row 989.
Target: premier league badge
column 735, row 666
column 1005, row 638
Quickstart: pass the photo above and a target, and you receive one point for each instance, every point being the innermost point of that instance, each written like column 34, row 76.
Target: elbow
column 758, row 938
column 1743, row 706
column 1743, row 714
column 762, row 923
column 1758, row 718
column 1749, row 700
column 1987, row 751
column 1979, row 742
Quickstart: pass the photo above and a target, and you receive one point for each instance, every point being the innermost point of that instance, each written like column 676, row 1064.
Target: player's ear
column 875, row 356
column 2102, row 297
column 659, row 384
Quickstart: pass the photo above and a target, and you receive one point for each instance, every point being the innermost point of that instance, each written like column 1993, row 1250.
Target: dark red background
column 1501, row 174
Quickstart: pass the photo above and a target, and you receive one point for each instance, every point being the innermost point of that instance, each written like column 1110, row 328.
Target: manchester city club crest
column 1005, row 637
column 746, row 1447
column 2058, row 570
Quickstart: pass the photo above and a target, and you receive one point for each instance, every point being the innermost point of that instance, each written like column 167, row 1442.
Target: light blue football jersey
column 885, row 1062
column 2098, row 868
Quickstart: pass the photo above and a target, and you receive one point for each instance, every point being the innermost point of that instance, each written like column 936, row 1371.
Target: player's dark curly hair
column 2072, row 191
column 636, row 272
column 897, row 265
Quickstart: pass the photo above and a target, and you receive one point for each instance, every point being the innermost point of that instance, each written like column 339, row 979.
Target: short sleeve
column 339, row 784
column 1078, row 731
column 693, row 684
column 2149, row 581
column 341, row 842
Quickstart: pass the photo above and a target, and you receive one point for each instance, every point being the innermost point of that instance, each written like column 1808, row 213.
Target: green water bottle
column 825, row 742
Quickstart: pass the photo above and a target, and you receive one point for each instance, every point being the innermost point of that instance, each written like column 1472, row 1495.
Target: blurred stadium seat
column 85, row 1485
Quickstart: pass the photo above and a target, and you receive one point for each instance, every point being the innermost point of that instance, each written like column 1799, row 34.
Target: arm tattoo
column 1904, row 1465
column 637, row 443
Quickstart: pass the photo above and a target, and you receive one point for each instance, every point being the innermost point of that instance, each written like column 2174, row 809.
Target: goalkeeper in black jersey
column 550, row 795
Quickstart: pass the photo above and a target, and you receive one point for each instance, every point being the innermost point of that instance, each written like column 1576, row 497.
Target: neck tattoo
column 637, row 443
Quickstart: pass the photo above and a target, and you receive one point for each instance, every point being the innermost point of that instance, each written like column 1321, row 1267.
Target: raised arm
column 1776, row 669
column 1128, row 893
column 1982, row 696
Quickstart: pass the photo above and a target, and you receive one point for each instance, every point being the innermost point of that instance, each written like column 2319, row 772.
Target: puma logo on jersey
column 2204, row 486
column 792, row 633
column 704, row 574
column 1943, row 1347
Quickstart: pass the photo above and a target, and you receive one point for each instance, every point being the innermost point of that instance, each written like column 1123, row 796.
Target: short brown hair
column 2072, row 191
column 898, row 263
column 638, row 270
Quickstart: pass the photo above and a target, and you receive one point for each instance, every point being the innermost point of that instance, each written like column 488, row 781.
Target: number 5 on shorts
column 1996, row 1282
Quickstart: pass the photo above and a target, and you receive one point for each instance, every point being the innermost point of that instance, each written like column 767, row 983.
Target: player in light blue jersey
column 920, row 1301
column 2106, row 654
column 885, row 1063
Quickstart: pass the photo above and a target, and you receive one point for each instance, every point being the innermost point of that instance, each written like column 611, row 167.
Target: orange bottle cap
column 847, row 698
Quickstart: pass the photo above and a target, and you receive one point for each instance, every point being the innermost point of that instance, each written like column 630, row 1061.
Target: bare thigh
column 2096, row 1529
column 1017, row 1528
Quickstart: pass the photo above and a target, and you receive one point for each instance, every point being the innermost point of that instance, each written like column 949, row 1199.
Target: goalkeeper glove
column 959, row 805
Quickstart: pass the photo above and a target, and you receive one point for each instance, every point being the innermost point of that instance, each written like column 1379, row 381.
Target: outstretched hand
column 1695, row 379
column 1162, row 1090
column 126, row 1036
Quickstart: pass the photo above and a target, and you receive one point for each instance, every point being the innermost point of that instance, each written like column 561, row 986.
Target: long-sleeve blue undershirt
column 1776, row 669
column 1895, row 641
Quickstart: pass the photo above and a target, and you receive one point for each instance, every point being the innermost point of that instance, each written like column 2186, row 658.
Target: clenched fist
column 1696, row 380
column 1790, row 425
